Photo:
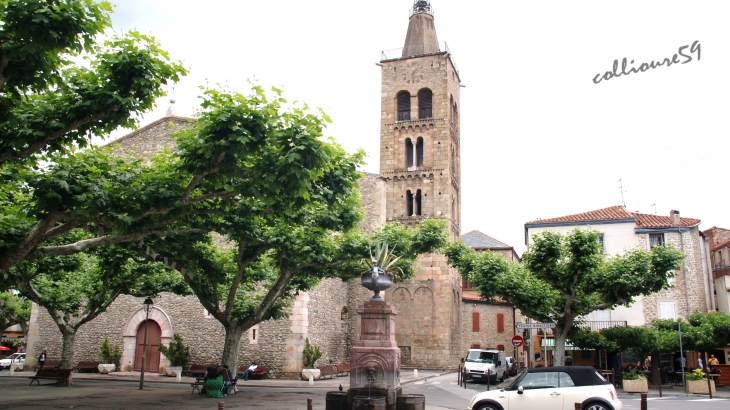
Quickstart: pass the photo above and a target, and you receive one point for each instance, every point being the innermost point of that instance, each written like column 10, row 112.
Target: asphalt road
column 441, row 392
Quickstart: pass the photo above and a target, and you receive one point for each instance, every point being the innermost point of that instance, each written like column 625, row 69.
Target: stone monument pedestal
column 375, row 357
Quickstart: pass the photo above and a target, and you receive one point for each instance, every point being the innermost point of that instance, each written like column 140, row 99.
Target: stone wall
column 695, row 279
column 151, row 138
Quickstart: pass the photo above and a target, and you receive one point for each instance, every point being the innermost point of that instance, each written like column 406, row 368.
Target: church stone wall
column 151, row 138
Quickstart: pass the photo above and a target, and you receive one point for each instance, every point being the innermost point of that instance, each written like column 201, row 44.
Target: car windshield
column 481, row 357
column 14, row 356
column 516, row 380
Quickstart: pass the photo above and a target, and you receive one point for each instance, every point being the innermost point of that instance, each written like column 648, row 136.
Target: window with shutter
column 425, row 98
column 409, row 203
column 666, row 310
column 500, row 322
column 409, row 153
column 476, row 345
column 404, row 106
column 500, row 347
column 417, row 205
column 474, row 321
column 419, row 152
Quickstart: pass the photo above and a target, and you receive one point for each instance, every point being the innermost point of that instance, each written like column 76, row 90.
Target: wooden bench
column 198, row 370
column 196, row 385
column 327, row 370
column 343, row 369
column 60, row 375
column 93, row 366
column 260, row 373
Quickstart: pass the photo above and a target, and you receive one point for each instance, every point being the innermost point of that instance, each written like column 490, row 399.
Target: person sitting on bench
column 251, row 369
column 213, row 383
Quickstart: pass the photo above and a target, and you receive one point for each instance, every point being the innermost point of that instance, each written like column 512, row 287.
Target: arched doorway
column 154, row 336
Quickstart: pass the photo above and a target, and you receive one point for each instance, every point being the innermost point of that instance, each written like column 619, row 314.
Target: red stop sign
column 517, row 341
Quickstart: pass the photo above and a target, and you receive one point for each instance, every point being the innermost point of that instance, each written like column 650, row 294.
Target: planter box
column 635, row 386
column 699, row 386
column 313, row 372
column 106, row 368
column 173, row 371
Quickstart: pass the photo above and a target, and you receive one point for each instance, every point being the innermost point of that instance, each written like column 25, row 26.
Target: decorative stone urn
column 699, row 386
column 635, row 386
column 106, row 368
column 173, row 371
column 313, row 372
column 376, row 280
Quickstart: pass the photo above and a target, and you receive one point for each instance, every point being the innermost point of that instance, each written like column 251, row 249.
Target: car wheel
column 595, row 406
column 486, row 407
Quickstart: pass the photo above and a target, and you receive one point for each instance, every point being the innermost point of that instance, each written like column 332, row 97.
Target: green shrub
column 176, row 352
column 311, row 354
column 110, row 354
column 696, row 374
column 632, row 375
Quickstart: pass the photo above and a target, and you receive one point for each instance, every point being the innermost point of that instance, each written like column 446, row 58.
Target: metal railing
column 595, row 325
column 397, row 53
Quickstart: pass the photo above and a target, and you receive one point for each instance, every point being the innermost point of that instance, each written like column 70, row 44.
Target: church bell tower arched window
column 425, row 104
column 404, row 106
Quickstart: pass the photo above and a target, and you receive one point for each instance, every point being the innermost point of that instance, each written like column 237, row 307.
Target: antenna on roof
column 621, row 187
column 171, row 110
column 654, row 205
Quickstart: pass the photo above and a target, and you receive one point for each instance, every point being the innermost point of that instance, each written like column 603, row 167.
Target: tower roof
column 421, row 37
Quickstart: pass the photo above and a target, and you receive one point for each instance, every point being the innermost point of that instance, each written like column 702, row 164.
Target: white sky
column 539, row 138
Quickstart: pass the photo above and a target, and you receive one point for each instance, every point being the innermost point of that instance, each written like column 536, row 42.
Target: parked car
column 13, row 358
column 551, row 388
column 511, row 366
column 485, row 363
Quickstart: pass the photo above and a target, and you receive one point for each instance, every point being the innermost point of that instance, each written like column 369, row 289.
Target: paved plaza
column 121, row 391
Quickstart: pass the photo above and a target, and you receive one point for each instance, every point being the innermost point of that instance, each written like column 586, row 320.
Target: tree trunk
column 234, row 332
column 67, row 351
column 559, row 345
column 656, row 371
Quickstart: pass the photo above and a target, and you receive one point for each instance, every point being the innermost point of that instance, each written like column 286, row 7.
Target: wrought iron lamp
column 147, row 305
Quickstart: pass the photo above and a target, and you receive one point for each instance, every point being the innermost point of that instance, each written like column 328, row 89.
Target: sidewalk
column 721, row 392
column 333, row 383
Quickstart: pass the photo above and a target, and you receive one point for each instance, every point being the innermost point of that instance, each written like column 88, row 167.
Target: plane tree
column 565, row 277
column 14, row 310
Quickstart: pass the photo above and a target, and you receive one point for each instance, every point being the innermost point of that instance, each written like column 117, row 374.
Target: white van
column 483, row 363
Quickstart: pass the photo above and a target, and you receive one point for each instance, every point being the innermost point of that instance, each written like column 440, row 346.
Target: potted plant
column 634, row 382
column 697, row 382
column 110, row 356
column 177, row 353
column 311, row 354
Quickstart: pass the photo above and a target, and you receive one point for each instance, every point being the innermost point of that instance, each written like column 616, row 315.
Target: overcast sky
column 539, row 138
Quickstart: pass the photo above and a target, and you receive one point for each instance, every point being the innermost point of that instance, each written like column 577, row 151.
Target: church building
column 419, row 178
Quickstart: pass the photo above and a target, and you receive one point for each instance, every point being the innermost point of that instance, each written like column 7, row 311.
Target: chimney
column 674, row 217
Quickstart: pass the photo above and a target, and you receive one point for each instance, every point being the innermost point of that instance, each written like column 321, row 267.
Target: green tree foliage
column 59, row 87
column 14, row 310
column 109, row 354
column 177, row 353
column 565, row 276
column 312, row 353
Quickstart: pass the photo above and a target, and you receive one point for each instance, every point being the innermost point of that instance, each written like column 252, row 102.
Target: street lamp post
column 147, row 305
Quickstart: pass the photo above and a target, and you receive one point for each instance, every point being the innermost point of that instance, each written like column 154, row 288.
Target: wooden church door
column 152, row 359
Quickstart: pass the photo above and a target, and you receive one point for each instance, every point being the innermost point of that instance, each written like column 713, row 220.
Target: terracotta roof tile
column 721, row 245
column 618, row 212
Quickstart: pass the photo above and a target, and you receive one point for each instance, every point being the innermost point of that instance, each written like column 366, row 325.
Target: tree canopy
column 564, row 277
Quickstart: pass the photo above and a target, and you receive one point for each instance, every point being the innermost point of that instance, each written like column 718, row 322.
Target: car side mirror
column 462, row 360
column 499, row 363
column 520, row 390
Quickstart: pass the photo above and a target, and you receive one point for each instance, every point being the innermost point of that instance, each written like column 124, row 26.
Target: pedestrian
column 251, row 369
column 712, row 361
column 42, row 359
column 647, row 362
column 699, row 363
column 227, row 379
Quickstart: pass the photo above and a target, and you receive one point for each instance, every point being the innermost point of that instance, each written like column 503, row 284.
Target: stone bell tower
column 419, row 159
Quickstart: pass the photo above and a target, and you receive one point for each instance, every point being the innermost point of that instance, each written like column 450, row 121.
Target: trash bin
column 336, row 400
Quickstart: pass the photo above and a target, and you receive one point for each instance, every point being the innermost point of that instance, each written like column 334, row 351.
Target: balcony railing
column 720, row 271
column 596, row 325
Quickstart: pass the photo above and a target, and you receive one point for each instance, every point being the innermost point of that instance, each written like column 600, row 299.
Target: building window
column 414, row 152
column 500, row 322
column 474, row 321
column 404, row 106
column 667, row 311
column 425, row 98
column 413, row 203
column 476, row 345
column 656, row 239
column 602, row 242
column 500, row 347
column 465, row 285
column 409, row 153
column 253, row 335
column 207, row 314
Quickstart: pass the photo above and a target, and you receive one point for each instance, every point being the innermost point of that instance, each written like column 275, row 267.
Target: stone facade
column 690, row 274
column 488, row 333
